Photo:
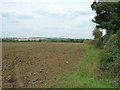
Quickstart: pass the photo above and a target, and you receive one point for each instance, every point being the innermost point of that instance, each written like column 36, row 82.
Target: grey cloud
column 45, row 13
column 16, row 16
column 70, row 15
column 57, row 28
column 82, row 12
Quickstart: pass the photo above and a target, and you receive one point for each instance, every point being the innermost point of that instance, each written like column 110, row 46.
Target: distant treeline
column 46, row 40
column 66, row 40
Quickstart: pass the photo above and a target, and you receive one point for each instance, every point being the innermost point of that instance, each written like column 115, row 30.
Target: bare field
column 37, row 65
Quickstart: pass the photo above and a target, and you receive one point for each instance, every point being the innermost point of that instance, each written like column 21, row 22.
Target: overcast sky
column 47, row 18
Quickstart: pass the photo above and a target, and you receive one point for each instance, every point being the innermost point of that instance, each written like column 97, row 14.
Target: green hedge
column 109, row 57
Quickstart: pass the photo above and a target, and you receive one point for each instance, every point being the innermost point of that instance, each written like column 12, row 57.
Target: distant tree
column 97, row 33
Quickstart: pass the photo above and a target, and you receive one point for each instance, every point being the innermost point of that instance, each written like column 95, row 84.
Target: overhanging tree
column 108, row 16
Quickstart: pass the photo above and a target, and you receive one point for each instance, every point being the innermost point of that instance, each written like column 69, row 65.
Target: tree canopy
column 108, row 16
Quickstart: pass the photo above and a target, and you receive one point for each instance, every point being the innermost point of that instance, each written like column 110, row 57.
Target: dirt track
column 38, row 65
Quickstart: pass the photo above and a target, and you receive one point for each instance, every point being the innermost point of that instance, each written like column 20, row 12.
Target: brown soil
column 38, row 65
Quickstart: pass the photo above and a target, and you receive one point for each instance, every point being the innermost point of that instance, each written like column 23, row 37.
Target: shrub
column 99, row 43
column 109, row 57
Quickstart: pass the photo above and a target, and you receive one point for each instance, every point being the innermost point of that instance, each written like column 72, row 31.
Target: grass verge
column 85, row 75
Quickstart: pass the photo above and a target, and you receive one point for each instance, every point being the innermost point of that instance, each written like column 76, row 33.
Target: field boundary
column 86, row 74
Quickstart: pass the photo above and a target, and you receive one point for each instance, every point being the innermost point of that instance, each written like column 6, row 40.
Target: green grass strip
column 85, row 76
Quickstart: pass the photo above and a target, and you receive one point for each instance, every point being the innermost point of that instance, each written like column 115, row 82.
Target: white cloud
column 62, row 18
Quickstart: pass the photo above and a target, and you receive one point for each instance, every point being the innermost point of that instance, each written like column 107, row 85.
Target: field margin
column 86, row 74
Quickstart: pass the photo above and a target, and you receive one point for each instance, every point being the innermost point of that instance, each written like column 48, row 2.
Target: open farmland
column 38, row 65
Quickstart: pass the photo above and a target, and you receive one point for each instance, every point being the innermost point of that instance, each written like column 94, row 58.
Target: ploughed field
column 38, row 65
